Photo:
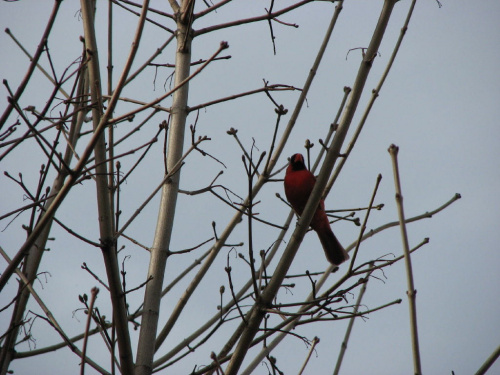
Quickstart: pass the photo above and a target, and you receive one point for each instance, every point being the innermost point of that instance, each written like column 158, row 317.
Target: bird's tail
column 334, row 251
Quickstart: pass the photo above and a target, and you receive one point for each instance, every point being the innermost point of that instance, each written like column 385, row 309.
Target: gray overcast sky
column 440, row 105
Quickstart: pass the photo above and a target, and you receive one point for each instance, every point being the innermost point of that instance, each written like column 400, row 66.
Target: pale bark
column 166, row 214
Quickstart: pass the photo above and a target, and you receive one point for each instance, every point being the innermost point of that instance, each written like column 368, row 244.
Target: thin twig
column 276, row 87
column 9, row 33
column 489, row 361
column 34, row 62
column 147, row 18
column 211, row 9
column 90, row 310
column 86, row 268
column 412, row 292
column 266, row 16
column 343, row 348
column 311, row 349
column 363, row 227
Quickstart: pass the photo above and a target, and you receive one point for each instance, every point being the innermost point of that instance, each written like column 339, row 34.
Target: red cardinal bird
column 299, row 183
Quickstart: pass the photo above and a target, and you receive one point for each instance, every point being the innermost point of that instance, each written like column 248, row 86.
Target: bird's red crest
column 297, row 158
column 297, row 163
